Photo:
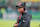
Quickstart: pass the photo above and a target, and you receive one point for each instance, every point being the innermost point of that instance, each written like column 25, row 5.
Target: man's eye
column 19, row 8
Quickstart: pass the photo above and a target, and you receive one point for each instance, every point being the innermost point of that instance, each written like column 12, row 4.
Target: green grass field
column 10, row 23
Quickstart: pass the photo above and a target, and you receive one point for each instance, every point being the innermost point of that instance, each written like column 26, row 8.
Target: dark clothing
column 25, row 20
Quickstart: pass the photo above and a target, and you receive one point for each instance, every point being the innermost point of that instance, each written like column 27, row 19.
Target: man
column 24, row 18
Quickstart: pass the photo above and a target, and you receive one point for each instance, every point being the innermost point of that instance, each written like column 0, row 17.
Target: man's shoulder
column 28, row 14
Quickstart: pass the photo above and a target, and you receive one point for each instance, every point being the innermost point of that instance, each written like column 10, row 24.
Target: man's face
column 20, row 10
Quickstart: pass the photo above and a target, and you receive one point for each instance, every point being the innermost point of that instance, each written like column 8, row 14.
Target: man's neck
column 23, row 13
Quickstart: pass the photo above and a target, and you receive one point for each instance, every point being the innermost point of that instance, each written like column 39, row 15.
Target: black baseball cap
column 21, row 5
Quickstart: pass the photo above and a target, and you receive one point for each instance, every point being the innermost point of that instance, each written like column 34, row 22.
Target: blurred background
column 9, row 12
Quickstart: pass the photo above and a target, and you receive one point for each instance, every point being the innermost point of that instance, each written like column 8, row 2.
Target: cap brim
column 19, row 6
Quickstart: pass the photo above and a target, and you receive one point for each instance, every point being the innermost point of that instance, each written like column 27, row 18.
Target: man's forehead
column 20, row 7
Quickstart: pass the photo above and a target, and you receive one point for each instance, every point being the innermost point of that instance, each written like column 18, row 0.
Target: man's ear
column 24, row 9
